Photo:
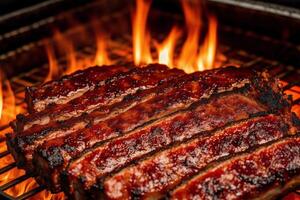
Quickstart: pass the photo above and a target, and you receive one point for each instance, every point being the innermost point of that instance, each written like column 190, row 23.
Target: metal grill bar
column 5, row 153
column 15, row 182
column 30, row 193
column 7, row 168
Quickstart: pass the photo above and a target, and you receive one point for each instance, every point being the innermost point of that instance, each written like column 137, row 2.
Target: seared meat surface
column 262, row 174
column 69, row 87
column 157, row 174
column 114, row 90
column 32, row 129
column 59, row 151
column 121, row 132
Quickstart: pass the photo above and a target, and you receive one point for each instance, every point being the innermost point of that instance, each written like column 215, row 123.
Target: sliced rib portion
column 114, row 90
column 155, row 175
column 22, row 144
column 108, row 157
column 264, row 174
column 69, row 87
column 55, row 154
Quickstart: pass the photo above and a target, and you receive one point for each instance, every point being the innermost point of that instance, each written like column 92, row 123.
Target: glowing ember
column 1, row 96
column 167, row 47
column 141, row 38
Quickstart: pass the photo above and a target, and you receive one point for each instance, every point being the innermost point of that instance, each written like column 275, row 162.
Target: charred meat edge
column 273, row 179
column 69, row 87
column 114, row 90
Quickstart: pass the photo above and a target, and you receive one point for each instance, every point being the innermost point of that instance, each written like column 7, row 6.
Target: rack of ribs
column 145, row 132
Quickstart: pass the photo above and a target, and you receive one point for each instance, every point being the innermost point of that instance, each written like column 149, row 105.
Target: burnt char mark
column 38, row 98
column 272, row 93
column 29, row 98
column 156, row 174
column 112, row 91
column 15, row 152
column 296, row 120
column 248, row 175
column 123, row 150
column 23, row 143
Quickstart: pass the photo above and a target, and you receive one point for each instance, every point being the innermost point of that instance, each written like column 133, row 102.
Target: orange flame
column 74, row 63
column 9, row 110
column 68, row 48
column 207, row 51
column 188, row 55
column 101, row 57
column 141, row 38
column 53, row 67
column 1, row 97
column 167, row 47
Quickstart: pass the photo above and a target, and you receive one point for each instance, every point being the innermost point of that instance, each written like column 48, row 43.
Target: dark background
column 7, row 6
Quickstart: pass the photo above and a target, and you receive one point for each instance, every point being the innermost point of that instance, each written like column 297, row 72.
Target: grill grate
column 238, row 57
column 120, row 52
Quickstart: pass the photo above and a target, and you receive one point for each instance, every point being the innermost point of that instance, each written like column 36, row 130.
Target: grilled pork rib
column 264, row 174
column 52, row 159
column 114, row 90
column 143, row 132
column 69, row 87
column 152, row 177
column 23, row 143
column 55, row 154
column 115, row 154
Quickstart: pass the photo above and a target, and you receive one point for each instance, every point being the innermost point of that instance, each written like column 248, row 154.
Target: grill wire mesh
column 120, row 52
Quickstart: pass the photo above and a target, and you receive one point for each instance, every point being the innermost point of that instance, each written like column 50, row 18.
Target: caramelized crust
column 106, row 158
column 114, row 90
column 155, row 175
column 23, row 143
column 264, row 174
column 69, row 87
column 56, row 153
